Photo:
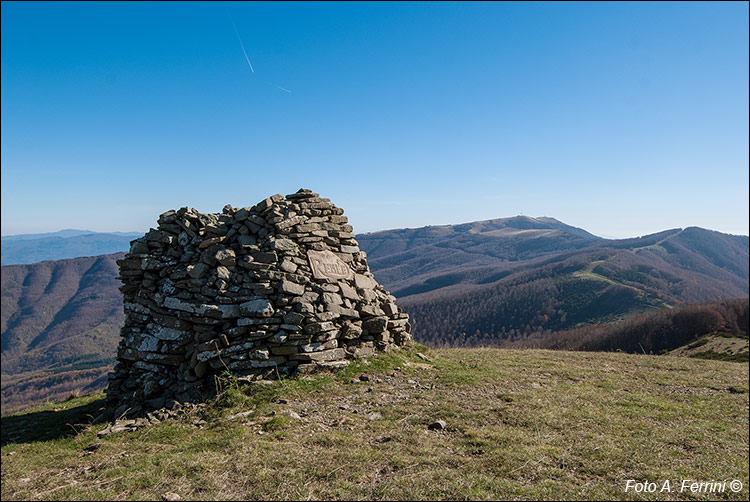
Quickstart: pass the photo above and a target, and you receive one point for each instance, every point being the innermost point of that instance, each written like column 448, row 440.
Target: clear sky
column 621, row 118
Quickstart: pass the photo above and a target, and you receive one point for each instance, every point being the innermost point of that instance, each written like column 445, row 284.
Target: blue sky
column 621, row 118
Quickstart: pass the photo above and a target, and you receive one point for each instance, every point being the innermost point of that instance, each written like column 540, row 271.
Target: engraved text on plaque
column 325, row 264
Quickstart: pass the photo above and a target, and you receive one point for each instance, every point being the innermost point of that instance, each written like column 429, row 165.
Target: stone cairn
column 278, row 288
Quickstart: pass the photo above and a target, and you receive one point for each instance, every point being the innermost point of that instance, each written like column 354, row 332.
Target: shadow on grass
column 48, row 424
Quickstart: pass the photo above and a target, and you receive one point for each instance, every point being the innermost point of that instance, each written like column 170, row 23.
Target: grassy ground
column 719, row 346
column 519, row 425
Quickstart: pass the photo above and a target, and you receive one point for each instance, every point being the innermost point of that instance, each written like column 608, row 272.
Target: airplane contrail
column 243, row 48
column 250, row 64
column 279, row 87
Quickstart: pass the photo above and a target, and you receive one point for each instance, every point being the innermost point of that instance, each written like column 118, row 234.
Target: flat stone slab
column 326, row 265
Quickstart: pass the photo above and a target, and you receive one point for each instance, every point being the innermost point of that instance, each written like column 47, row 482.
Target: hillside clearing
column 519, row 424
column 721, row 346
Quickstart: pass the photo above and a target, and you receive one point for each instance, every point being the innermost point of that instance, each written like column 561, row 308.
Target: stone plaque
column 325, row 264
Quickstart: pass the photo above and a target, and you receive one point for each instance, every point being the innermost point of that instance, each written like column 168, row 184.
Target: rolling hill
column 484, row 282
column 58, row 318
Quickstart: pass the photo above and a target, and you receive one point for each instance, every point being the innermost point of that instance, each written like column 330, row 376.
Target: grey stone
column 350, row 331
column 279, row 338
column 247, row 240
column 177, row 304
column 159, row 236
column 222, row 311
column 362, row 350
column 304, row 308
column 241, row 214
column 371, row 311
column 210, row 242
column 319, row 327
column 348, row 291
column 208, row 355
column 376, row 325
column 390, row 309
column 283, row 245
column 257, row 308
column 364, row 282
column 284, row 350
column 169, row 334
column 197, row 270
column 222, row 272
column 293, row 318
column 235, row 416
column 288, row 265
column 323, row 355
column 271, row 257
column 148, row 344
column 292, row 287
column 226, row 257
column 315, row 347
column 332, row 298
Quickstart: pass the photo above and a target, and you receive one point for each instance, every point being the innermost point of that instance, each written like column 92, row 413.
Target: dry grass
column 520, row 425
column 716, row 346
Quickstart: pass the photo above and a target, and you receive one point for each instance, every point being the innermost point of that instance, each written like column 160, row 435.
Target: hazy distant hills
column 33, row 248
column 472, row 284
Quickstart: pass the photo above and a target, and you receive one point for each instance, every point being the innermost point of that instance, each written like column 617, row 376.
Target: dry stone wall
column 280, row 287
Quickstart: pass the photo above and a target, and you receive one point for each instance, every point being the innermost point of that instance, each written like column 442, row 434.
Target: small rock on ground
column 437, row 425
column 375, row 415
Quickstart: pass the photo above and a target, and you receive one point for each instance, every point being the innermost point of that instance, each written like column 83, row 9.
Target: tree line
column 653, row 333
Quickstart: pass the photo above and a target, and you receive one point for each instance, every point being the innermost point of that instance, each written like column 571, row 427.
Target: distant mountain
column 411, row 261
column 33, row 248
column 485, row 282
column 480, row 283
column 65, row 233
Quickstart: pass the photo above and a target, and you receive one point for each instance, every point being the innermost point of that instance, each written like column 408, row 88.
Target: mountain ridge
column 31, row 248
column 441, row 282
column 64, row 233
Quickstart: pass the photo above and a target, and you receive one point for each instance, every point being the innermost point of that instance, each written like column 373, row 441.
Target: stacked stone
column 276, row 288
